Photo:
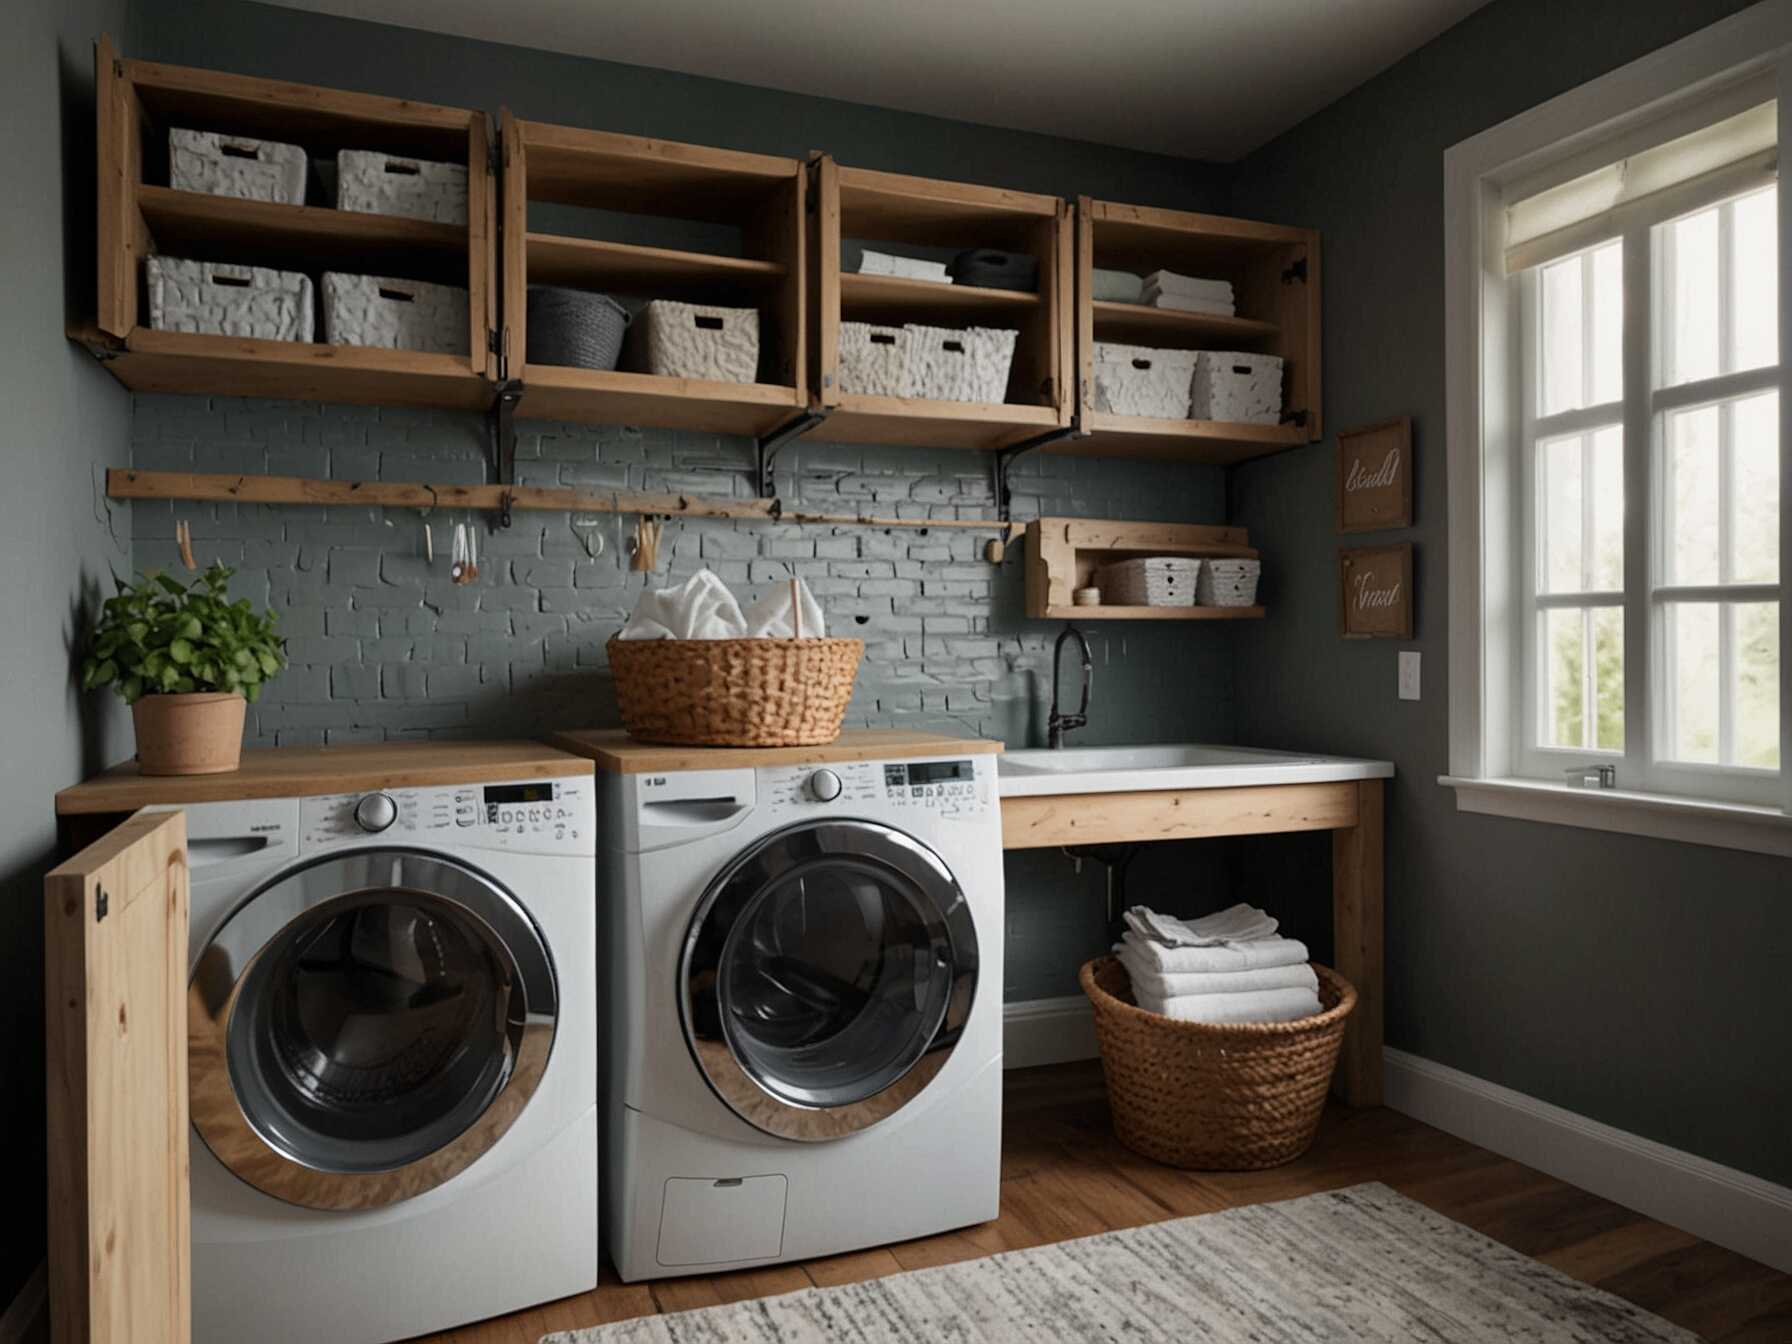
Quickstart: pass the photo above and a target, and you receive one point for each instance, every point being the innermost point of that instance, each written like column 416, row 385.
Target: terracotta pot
column 200, row 733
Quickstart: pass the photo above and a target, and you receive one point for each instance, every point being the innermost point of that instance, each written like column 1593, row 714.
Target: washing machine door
column 827, row 976
column 363, row 1028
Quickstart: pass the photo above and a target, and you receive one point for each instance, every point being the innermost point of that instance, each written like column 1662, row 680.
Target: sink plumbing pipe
column 1116, row 859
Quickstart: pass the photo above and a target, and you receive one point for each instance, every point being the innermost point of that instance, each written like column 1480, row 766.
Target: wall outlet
column 1409, row 674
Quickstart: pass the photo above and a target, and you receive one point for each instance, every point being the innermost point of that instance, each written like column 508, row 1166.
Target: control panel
column 947, row 787
column 548, row 815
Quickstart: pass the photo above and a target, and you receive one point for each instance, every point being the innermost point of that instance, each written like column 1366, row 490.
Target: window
column 1619, row 448
column 1691, row 705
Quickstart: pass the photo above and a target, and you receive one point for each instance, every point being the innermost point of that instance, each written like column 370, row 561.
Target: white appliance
column 803, row 1044
column 392, row 1032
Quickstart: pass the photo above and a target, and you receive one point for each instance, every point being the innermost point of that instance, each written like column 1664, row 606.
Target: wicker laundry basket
column 734, row 692
column 1215, row 1098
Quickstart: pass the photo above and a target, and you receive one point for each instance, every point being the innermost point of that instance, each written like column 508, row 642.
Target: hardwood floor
column 1065, row 1175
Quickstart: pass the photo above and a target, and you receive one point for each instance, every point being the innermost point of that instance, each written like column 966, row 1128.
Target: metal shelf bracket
column 770, row 445
column 501, row 423
column 1004, row 458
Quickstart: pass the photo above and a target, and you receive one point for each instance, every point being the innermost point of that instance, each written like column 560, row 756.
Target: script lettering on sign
column 1375, row 592
column 1375, row 477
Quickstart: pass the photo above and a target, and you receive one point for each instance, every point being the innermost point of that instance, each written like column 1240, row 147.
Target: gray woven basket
column 574, row 328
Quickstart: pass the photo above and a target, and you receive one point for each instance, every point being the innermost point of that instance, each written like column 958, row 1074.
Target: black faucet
column 1058, row 723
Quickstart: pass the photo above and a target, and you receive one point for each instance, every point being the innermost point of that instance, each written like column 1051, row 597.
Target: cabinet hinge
column 101, row 903
column 1298, row 271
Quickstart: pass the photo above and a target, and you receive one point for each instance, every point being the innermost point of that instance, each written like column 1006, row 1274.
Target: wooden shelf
column 897, row 298
column 857, row 203
column 588, row 263
column 1137, row 324
column 1106, row 613
column 1064, row 554
column 138, row 102
column 616, row 397
column 182, row 361
column 764, row 197
column 1274, row 273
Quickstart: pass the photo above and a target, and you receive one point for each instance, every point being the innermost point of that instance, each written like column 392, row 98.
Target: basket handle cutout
column 230, row 151
column 882, row 338
column 1242, row 369
column 397, row 295
column 1141, row 363
column 234, row 281
column 956, row 347
column 706, row 323
column 406, row 169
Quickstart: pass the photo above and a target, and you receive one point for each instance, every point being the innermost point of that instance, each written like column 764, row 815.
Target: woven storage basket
column 734, row 692
column 1212, row 1098
column 573, row 328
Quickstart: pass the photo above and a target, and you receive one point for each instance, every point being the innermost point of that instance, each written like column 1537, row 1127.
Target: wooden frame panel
column 1388, row 436
column 1063, row 554
column 1052, row 820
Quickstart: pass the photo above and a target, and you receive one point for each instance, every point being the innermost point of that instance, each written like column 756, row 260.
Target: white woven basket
column 873, row 359
column 1150, row 581
column 377, row 310
column 694, row 340
column 220, row 300
column 371, row 183
column 1228, row 583
column 236, row 165
column 1139, row 380
column 1237, row 388
column 947, row 364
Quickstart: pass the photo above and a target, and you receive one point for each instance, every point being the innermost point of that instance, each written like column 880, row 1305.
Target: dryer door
column 827, row 976
column 363, row 1028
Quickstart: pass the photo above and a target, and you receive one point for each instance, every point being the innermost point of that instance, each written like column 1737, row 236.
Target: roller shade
column 1722, row 159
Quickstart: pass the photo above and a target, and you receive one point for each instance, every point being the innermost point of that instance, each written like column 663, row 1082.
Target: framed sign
column 1375, row 477
column 1375, row 592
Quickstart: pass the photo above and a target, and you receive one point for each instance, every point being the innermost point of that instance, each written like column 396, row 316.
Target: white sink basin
column 1184, row 765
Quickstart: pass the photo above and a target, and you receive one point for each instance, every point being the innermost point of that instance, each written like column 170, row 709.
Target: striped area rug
column 1348, row 1265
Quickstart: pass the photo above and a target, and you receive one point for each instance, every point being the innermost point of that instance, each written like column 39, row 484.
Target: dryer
column 392, row 1057
column 803, row 1043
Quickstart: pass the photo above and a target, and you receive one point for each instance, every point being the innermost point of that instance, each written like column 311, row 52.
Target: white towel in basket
column 703, row 608
column 1259, row 1005
column 1238, row 924
column 1232, row 957
column 1145, row 980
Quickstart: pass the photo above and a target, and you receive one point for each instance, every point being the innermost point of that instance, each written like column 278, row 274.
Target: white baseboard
column 1743, row 1213
column 20, row 1319
column 1047, row 1031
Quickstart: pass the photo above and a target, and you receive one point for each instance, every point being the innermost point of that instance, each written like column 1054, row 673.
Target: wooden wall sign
column 1375, row 477
column 1375, row 592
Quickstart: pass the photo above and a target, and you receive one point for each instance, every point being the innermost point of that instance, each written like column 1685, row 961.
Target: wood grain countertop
column 615, row 751
column 294, row 772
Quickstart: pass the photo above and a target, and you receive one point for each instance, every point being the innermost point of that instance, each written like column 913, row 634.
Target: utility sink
column 1183, row 765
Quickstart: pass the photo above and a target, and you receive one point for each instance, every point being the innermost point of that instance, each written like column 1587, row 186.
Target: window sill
column 1764, row 830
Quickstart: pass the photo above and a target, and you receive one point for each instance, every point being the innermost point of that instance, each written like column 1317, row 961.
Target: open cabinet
column 577, row 205
column 1274, row 273
column 115, row 970
column 142, row 215
column 855, row 206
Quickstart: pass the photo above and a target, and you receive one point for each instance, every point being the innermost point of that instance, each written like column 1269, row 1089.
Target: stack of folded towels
column 1225, row 968
column 1189, row 294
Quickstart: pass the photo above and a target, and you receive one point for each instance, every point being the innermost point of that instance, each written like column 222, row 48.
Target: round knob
column 824, row 786
column 376, row 812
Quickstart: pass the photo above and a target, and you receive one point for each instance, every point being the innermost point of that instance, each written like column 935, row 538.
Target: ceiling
column 1206, row 79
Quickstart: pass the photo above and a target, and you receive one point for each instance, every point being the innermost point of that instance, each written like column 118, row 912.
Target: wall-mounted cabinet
column 142, row 215
column 577, row 205
column 1274, row 274
column 855, row 207
column 1065, row 554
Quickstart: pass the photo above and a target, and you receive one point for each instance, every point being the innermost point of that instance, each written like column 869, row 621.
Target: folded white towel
column 1191, row 286
column 1255, row 956
column 703, row 608
column 1236, row 924
column 1180, row 303
column 910, row 268
column 1145, row 980
column 1261, row 1005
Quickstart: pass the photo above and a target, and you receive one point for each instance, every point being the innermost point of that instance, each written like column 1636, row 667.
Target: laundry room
column 781, row 672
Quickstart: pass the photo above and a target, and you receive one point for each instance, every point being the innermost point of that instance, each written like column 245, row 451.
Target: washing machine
column 392, row 1056
column 803, row 1044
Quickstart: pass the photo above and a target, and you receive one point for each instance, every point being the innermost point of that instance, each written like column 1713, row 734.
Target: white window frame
column 1489, row 559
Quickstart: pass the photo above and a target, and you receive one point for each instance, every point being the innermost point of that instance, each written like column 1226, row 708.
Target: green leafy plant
column 162, row 636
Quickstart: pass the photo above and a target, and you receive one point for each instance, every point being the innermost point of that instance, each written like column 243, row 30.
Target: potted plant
column 187, row 660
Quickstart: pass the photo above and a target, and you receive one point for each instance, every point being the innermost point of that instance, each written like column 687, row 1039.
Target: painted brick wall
column 385, row 647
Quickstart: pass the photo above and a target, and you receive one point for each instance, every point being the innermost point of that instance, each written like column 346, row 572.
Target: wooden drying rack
column 217, row 487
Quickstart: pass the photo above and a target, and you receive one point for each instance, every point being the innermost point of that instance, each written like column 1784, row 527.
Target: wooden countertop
column 293, row 772
column 614, row 750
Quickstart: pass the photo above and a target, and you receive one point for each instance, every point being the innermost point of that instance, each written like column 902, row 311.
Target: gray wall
column 64, row 421
column 385, row 647
column 1638, row 982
